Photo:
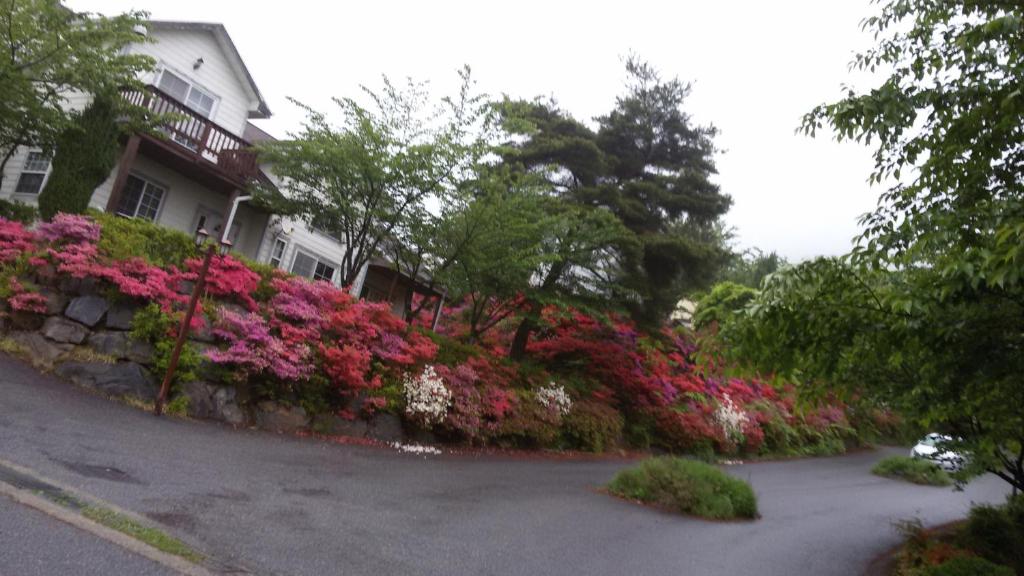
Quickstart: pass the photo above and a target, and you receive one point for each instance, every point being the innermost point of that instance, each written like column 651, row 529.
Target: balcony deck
column 195, row 145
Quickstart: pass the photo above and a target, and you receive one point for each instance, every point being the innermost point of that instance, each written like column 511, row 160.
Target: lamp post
column 197, row 291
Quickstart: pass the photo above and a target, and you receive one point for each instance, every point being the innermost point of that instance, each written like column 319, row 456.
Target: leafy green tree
column 374, row 179
column 48, row 52
column 928, row 311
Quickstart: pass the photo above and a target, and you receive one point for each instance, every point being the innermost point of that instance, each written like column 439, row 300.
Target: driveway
column 282, row 505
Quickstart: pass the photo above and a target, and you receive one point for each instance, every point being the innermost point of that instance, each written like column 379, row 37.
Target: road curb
column 31, row 498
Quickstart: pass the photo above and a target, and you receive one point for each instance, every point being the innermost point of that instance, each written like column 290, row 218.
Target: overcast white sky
column 756, row 67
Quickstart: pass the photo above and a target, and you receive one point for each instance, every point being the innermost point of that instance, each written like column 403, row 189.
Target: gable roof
column 220, row 33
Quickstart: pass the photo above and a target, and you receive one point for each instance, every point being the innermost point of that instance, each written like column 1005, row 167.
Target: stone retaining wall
column 84, row 338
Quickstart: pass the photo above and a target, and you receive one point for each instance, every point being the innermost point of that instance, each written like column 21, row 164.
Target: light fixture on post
column 186, row 322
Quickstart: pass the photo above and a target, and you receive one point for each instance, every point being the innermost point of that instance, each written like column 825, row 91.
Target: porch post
column 437, row 311
column 131, row 150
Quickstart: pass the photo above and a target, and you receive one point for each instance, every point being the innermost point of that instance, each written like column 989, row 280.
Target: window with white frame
column 310, row 266
column 33, row 173
column 186, row 92
column 277, row 252
column 141, row 198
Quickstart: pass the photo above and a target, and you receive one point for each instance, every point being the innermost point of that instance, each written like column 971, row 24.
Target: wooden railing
column 198, row 135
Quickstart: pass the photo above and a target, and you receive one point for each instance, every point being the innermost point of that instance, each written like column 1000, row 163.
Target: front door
column 213, row 221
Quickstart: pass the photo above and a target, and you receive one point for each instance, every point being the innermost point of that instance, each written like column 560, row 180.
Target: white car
column 930, row 447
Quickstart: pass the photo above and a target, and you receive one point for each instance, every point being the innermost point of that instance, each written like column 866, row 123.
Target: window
column 277, row 252
column 140, row 199
column 33, row 175
column 312, row 267
column 187, row 93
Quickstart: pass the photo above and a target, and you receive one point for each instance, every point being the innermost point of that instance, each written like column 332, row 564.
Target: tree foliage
column 649, row 166
column 751, row 267
column 928, row 310
column 373, row 180
column 47, row 53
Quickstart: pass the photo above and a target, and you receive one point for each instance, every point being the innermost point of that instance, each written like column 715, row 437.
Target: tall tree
column 584, row 246
column 660, row 186
column 372, row 179
column 928, row 311
column 48, row 52
column 650, row 167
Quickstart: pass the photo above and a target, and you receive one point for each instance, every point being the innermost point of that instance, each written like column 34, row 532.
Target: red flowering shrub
column 228, row 277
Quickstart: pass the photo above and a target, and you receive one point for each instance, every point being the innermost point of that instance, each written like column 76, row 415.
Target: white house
column 193, row 177
column 190, row 178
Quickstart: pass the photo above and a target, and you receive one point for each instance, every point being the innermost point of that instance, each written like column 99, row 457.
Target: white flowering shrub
column 553, row 396
column 730, row 417
column 426, row 397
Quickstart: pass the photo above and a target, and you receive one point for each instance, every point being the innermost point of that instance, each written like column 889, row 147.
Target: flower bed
column 311, row 351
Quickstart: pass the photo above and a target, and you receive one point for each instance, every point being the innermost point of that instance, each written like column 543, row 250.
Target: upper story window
column 141, row 198
column 312, row 267
column 33, row 174
column 187, row 93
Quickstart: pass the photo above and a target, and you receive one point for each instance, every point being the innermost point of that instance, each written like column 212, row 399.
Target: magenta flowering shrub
column 15, row 240
column 252, row 348
column 22, row 300
column 300, row 308
column 69, row 228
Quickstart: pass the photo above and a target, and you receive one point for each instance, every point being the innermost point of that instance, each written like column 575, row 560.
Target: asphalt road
column 34, row 544
column 283, row 505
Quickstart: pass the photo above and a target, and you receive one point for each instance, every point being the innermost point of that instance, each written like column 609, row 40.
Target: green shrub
column 593, row 426
column 18, row 211
column 996, row 533
column 86, row 152
column 968, row 566
column 150, row 324
column 531, row 425
column 916, row 470
column 452, row 352
column 123, row 238
column 688, row 487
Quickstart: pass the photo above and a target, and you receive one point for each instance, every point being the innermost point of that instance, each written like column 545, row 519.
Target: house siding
column 184, row 197
column 179, row 50
column 72, row 101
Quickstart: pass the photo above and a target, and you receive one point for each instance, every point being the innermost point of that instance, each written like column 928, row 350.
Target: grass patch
column 687, row 487
column 916, row 470
column 152, row 536
column 10, row 346
column 85, row 354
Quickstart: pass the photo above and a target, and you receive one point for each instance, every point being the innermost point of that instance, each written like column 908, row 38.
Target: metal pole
column 197, row 290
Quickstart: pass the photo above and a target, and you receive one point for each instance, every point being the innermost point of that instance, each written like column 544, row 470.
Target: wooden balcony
column 222, row 159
